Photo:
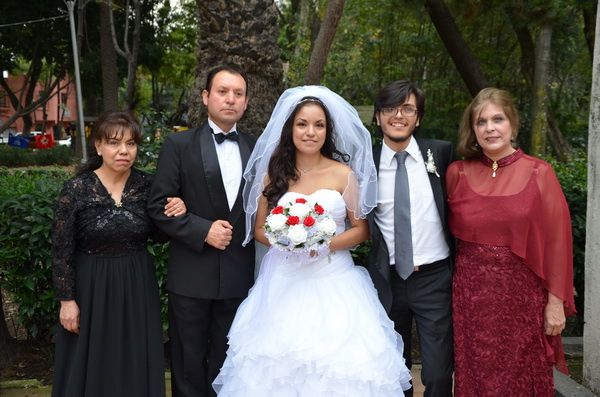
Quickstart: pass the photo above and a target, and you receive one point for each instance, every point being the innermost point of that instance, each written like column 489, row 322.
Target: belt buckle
column 417, row 268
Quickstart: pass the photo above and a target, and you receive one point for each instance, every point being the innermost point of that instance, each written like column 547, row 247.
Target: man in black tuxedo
column 411, row 256
column 209, row 272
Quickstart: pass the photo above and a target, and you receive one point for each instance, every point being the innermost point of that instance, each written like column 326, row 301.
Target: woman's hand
column 69, row 316
column 175, row 207
column 554, row 315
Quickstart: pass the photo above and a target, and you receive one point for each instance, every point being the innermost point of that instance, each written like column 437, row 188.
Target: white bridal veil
column 350, row 136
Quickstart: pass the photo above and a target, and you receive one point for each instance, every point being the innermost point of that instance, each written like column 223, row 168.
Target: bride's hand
column 320, row 252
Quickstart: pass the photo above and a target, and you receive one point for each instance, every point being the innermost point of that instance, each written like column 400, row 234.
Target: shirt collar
column 387, row 154
column 216, row 129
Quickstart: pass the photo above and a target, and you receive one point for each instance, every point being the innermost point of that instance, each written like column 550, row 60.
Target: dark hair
column 395, row 94
column 109, row 125
column 282, row 166
column 224, row 68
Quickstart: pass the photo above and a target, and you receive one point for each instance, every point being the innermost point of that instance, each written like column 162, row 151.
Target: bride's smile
column 309, row 129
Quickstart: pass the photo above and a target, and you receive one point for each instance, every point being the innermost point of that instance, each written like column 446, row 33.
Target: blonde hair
column 467, row 141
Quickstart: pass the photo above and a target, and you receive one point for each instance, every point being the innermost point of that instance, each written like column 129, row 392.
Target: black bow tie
column 220, row 137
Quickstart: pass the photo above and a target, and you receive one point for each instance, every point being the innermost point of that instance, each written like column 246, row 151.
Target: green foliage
column 573, row 179
column 26, row 205
column 160, row 253
column 27, row 199
column 155, row 131
column 167, row 56
column 16, row 157
column 381, row 41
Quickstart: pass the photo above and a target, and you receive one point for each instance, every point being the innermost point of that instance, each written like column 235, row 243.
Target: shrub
column 573, row 179
column 27, row 200
column 15, row 157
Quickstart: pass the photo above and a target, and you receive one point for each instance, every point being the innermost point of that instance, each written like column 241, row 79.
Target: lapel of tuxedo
column 434, row 180
column 238, row 206
column 212, row 172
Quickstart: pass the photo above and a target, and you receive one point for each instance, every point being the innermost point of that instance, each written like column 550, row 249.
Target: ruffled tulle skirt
column 312, row 329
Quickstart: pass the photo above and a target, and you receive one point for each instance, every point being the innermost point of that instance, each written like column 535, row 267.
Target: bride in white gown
column 313, row 326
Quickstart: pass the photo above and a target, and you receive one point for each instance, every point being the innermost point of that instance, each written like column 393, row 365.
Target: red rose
column 319, row 210
column 301, row 201
column 293, row 220
column 309, row 221
column 277, row 210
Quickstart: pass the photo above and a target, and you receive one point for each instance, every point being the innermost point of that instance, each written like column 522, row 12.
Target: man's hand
column 69, row 316
column 220, row 234
column 554, row 316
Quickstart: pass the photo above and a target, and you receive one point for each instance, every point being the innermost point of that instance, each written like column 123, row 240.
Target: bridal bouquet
column 299, row 227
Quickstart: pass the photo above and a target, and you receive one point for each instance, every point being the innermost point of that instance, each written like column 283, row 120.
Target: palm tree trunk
column 243, row 33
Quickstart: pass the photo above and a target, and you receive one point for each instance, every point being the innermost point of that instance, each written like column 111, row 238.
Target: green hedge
column 15, row 157
column 27, row 198
column 573, row 179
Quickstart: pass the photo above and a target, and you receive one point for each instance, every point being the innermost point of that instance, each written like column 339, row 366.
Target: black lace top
column 86, row 219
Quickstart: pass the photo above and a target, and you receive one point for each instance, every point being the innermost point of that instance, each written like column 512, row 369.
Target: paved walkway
column 45, row 391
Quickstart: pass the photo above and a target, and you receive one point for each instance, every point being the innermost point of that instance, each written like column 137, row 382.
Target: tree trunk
column 520, row 26
column 132, row 59
column 303, row 31
column 129, row 51
column 243, row 33
column 467, row 65
column 591, row 328
column 539, row 114
column 5, row 337
column 108, row 62
column 589, row 26
column 318, row 57
column 560, row 145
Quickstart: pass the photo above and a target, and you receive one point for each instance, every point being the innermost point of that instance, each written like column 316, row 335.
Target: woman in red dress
column 513, row 280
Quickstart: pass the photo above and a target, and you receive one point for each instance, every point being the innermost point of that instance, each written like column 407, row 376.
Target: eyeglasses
column 406, row 111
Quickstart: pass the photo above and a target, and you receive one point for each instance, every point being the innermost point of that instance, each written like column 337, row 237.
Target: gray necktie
column 402, row 228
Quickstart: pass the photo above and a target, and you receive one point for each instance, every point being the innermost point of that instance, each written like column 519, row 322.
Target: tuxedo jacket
column 379, row 257
column 188, row 167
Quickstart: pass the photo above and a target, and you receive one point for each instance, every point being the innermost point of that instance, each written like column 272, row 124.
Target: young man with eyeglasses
column 411, row 255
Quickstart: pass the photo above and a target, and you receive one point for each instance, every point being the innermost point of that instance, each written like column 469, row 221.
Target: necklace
column 494, row 168
column 118, row 203
column 503, row 162
column 307, row 170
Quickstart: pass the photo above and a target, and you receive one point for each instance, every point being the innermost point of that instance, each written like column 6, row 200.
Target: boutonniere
column 431, row 167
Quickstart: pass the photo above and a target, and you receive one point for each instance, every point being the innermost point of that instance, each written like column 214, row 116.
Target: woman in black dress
column 110, row 339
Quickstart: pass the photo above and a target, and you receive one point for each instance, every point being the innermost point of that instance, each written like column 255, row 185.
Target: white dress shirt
column 429, row 243
column 230, row 163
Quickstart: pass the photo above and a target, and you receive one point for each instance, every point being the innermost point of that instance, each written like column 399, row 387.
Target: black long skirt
column 119, row 350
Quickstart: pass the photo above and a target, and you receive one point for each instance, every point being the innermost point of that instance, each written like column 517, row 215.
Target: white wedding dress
column 313, row 328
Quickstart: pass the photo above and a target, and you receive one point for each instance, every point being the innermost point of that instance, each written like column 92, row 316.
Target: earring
column 99, row 154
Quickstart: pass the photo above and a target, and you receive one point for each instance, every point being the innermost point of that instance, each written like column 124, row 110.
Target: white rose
column 300, row 210
column 276, row 221
column 327, row 226
column 297, row 234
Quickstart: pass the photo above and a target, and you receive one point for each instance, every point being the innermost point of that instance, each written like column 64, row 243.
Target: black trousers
column 426, row 297
column 198, row 336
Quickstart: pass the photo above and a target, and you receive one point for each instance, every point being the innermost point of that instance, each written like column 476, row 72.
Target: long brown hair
column 282, row 166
